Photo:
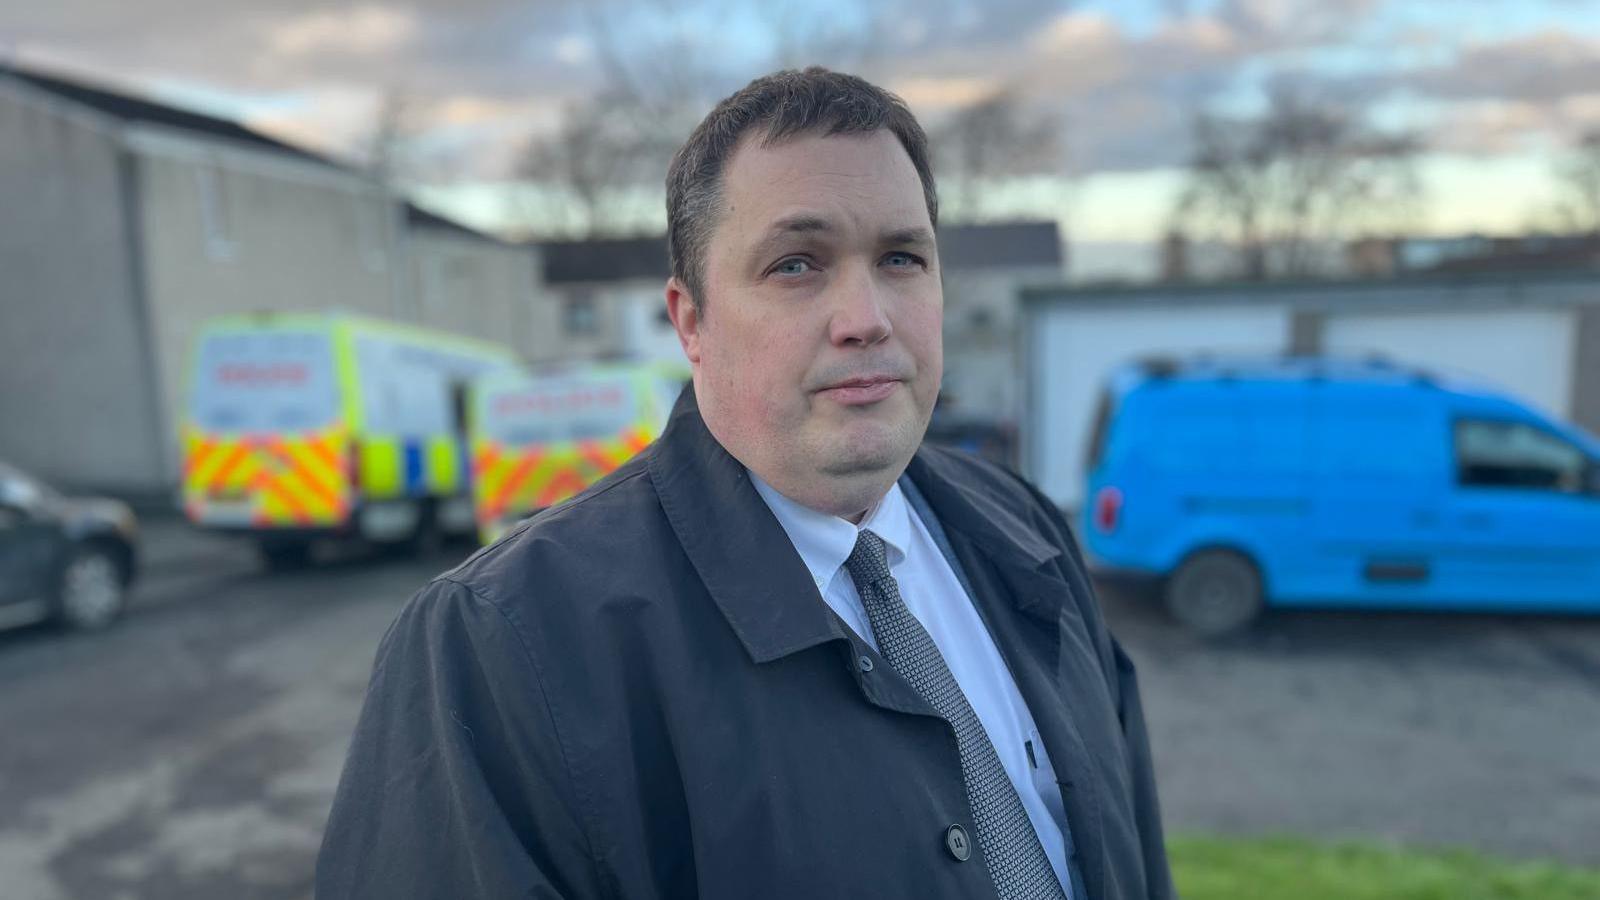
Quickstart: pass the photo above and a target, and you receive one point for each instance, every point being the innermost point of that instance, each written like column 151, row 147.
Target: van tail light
column 1107, row 509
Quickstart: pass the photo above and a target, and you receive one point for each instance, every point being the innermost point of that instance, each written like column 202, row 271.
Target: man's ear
column 686, row 319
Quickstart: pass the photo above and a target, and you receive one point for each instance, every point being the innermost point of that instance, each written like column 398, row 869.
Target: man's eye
column 902, row 260
column 794, row 265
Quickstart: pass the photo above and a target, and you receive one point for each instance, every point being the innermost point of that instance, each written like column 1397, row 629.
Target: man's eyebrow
column 799, row 224
column 903, row 237
column 803, row 223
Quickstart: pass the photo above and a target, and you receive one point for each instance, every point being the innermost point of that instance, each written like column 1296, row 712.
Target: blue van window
column 1098, row 431
column 1503, row 454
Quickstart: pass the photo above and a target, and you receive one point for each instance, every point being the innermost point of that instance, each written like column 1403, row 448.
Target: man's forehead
column 814, row 153
column 774, row 187
column 807, row 222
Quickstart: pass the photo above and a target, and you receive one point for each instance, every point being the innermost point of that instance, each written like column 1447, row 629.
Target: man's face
column 816, row 349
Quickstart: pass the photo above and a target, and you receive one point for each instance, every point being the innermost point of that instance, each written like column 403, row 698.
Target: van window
column 1098, row 432
column 1502, row 454
column 264, row 381
column 406, row 387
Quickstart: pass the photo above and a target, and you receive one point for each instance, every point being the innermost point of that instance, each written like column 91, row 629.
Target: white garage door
column 1528, row 353
column 1074, row 349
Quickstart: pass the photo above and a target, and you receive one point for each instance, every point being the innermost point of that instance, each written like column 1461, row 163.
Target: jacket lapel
column 746, row 560
column 734, row 542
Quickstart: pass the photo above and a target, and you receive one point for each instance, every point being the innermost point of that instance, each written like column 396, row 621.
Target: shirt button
column 865, row 662
column 955, row 840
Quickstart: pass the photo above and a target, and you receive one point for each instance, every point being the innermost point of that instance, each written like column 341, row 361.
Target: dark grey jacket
column 639, row 694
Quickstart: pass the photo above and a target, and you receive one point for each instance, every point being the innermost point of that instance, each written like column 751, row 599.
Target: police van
column 538, row 440
column 305, row 426
column 1242, row 484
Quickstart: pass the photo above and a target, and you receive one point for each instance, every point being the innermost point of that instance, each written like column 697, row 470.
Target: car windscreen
column 560, row 409
column 264, row 381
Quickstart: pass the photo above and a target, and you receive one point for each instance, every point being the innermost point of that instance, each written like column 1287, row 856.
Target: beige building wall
column 982, row 371
column 482, row 289
column 231, row 230
column 589, row 320
column 77, row 406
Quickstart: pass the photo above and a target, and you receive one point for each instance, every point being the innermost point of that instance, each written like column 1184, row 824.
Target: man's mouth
column 861, row 391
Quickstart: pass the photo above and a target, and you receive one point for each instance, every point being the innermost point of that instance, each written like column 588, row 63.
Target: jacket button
column 865, row 662
column 955, row 840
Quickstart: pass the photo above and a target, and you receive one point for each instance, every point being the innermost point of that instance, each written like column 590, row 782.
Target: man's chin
column 866, row 451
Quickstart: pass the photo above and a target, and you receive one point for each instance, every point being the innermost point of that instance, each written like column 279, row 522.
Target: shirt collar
column 825, row 541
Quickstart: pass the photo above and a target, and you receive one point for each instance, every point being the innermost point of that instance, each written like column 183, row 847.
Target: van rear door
column 263, row 445
column 538, row 441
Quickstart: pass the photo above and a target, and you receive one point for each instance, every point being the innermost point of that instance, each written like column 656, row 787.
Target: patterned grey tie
column 1011, row 848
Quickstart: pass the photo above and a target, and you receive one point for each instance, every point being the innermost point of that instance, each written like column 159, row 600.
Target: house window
column 580, row 315
column 216, row 220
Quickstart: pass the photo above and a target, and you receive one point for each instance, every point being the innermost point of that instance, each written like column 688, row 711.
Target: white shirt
column 934, row 594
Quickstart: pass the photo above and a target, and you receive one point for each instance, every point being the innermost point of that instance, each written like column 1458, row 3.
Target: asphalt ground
column 191, row 750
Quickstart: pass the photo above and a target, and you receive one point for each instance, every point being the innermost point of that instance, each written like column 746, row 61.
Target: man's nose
column 859, row 312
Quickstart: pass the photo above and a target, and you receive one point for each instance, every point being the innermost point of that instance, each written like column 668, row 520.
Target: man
column 784, row 652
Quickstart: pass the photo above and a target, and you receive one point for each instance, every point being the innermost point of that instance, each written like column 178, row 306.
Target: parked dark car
column 71, row 560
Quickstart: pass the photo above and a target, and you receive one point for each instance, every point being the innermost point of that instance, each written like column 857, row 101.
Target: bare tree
column 655, row 85
column 620, row 138
column 1300, row 175
column 1580, row 175
column 801, row 38
column 996, row 137
column 387, row 150
column 603, row 144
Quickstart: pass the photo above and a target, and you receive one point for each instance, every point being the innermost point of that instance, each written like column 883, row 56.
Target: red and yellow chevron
column 271, row 480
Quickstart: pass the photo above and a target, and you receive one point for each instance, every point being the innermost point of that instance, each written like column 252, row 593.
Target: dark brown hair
column 782, row 105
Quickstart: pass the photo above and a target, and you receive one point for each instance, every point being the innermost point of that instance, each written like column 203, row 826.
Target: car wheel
column 1215, row 592
column 93, row 590
column 284, row 555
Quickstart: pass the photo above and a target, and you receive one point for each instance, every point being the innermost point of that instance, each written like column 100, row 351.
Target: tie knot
column 869, row 561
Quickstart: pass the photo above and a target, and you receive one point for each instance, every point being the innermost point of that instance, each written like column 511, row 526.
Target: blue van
column 1308, row 481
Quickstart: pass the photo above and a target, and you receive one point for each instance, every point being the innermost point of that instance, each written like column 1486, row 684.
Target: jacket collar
column 963, row 507
column 749, row 565
column 741, row 553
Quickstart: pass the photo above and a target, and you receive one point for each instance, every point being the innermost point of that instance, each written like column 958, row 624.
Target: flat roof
column 417, row 217
column 1516, row 288
column 128, row 108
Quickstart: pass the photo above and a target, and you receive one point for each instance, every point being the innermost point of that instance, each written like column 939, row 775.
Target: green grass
column 1212, row 868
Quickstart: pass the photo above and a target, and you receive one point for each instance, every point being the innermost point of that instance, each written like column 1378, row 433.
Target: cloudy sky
column 1499, row 87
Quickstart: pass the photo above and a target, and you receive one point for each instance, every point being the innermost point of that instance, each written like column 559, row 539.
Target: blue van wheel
column 1215, row 592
